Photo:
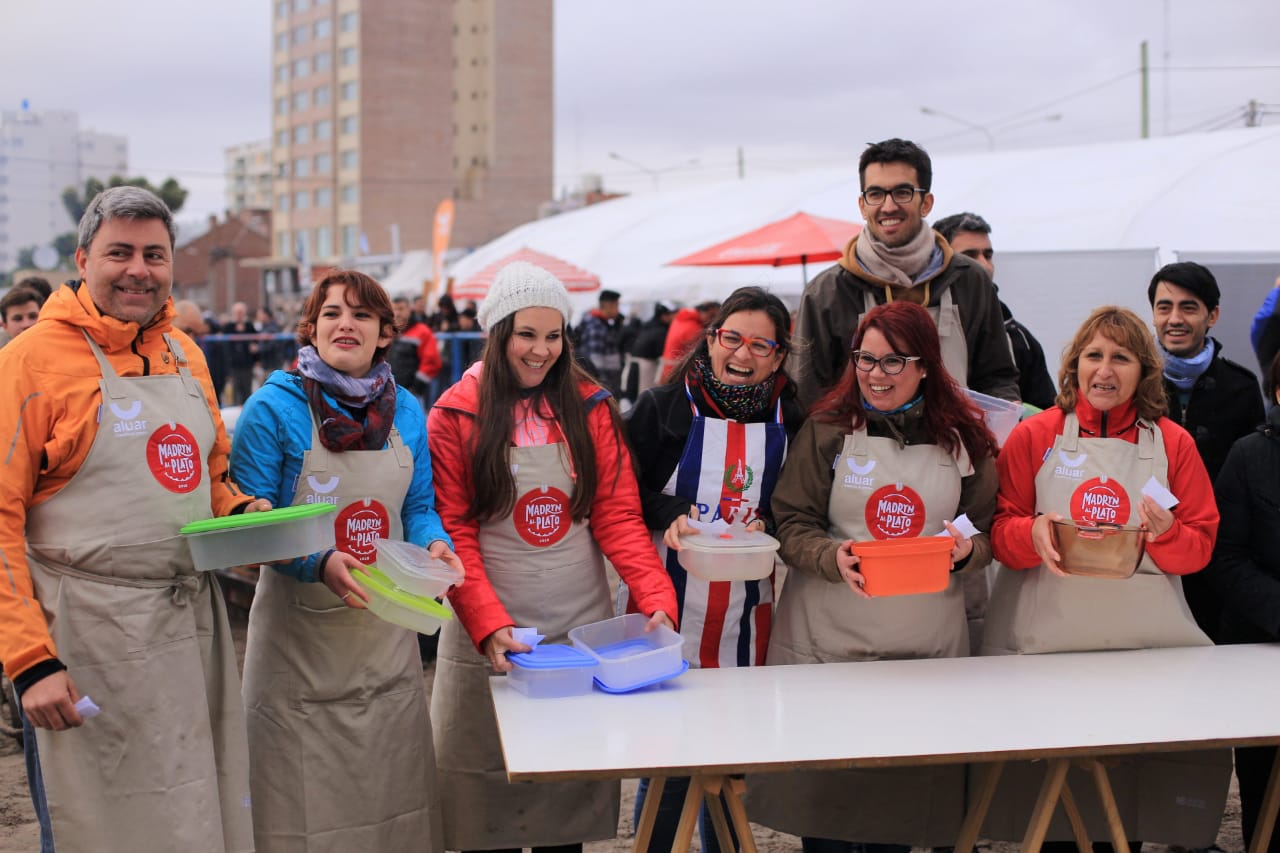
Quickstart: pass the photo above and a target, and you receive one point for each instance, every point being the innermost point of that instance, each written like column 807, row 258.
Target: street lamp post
column 652, row 173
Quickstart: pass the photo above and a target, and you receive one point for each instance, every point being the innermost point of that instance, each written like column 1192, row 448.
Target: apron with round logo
column 550, row 575
column 728, row 469
column 165, row 765
column 879, row 491
column 339, row 729
column 1175, row 798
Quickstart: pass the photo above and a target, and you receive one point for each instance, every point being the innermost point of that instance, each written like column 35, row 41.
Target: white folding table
column 715, row 724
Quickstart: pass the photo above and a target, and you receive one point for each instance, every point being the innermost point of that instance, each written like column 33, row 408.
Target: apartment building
column 382, row 108
column 41, row 154
column 247, row 168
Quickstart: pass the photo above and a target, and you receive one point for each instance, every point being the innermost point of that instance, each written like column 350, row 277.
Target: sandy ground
column 19, row 832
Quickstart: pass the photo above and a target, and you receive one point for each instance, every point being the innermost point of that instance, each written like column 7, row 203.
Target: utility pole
column 1146, row 94
column 1251, row 113
column 742, row 164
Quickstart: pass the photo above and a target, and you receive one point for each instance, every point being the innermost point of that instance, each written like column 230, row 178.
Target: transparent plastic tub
column 627, row 657
column 551, row 671
column 1001, row 415
column 735, row 556
column 1099, row 551
column 260, row 537
column 414, row 570
column 415, row 612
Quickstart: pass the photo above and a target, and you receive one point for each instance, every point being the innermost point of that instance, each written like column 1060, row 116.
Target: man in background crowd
column 414, row 355
column 599, row 344
column 687, row 326
column 970, row 235
column 1212, row 397
column 19, row 310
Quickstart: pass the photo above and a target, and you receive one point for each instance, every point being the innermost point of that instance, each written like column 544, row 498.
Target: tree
column 171, row 193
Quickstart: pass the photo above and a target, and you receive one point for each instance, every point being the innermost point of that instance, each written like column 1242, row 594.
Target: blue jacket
column 273, row 432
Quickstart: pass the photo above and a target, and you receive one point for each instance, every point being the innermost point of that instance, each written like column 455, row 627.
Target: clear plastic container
column 387, row 601
column 414, row 570
column 1001, row 415
column 551, row 671
column 627, row 657
column 260, row 537
column 729, row 556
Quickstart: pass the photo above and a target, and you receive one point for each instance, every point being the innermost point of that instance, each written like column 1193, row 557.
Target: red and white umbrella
column 575, row 278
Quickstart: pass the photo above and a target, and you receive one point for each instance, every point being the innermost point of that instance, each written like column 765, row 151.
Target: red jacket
column 429, row 362
column 1184, row 548
column 682, row 335
column 624, row 539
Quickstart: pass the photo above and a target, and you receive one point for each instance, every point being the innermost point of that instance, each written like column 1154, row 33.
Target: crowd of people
column 845, row 422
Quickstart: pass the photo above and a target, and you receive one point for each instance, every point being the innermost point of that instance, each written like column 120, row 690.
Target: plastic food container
column 414, row 570
column 626, row 657
column 387, row 601
column 905, row 566
column 731, row 556
column 1001, row 415
column 550, row 671
column 1100, row 551
column 260, row 537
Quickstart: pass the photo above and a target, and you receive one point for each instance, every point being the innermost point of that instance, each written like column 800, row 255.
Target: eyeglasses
column 892, row 364
column 731, row 340
column 901, row 194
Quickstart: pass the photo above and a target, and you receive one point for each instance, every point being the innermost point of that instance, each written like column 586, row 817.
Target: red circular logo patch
column 174, row 458
column 1100, row 501
column 542, row 516
column 357, row 528
column 894, row 511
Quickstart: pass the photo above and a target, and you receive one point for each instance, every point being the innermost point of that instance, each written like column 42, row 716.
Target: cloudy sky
column 674, row 87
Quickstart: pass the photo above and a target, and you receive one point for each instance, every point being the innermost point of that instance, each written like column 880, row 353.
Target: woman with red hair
column 911, row 454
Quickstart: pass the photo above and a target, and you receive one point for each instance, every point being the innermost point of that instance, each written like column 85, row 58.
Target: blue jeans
column 35, row 782
column 668, row 818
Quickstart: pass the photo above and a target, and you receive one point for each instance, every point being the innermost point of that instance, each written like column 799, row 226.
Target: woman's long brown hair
column 494, row 487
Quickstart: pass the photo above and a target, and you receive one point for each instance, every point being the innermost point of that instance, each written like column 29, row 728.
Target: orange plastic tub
column 905, row 566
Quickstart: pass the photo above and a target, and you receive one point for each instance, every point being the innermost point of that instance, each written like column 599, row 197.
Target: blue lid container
column 552, row 670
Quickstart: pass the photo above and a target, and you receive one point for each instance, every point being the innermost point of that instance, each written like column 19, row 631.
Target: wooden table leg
column 1119, row 838
column 649, row 813
column 1054, row 777
column 712, row 796
column 1267, row 815
column 733, row 794
column 1078, row 829
column 689, row 815
column 988, row 778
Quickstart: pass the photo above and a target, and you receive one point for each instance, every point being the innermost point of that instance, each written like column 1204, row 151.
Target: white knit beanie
column 522, row 285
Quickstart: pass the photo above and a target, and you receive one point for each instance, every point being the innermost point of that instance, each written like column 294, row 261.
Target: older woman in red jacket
column 529, row 448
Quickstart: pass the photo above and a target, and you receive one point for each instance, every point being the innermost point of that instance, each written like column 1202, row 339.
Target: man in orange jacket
column 114, row 442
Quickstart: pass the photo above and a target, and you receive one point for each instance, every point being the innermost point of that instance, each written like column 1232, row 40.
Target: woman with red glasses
column 910, row 454
column 709, row 444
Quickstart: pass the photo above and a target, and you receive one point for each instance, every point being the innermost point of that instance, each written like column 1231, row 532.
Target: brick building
column 382, row 108
column 207, row 269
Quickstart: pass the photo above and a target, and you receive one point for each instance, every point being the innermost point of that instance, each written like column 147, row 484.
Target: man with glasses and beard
column 897, row 256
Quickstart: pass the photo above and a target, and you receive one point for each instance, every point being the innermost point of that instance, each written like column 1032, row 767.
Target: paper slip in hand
column 87, row 709
column 964, row 525
column 528, row 636
column 1160, row 494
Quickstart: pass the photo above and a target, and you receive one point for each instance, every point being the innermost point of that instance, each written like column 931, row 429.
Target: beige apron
column 165, row 766
column 1178, row 798
column 549, row 574
column 821, row 622
column 339, row 732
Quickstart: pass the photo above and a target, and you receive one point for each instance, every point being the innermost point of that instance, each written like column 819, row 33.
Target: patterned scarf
column 742, row 403
column 374, row 392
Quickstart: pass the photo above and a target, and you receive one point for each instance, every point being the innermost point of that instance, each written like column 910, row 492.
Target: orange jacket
column 49, row 398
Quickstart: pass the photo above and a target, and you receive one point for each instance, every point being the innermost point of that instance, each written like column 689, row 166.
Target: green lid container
column 256, row 519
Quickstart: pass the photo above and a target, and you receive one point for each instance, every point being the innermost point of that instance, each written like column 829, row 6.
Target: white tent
column 1073, row 227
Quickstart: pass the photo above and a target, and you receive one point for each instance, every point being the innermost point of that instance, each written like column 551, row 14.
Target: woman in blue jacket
column 340, row 740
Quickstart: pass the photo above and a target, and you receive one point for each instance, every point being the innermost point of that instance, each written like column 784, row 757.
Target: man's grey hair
column 133, row 203
column 950, row 226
